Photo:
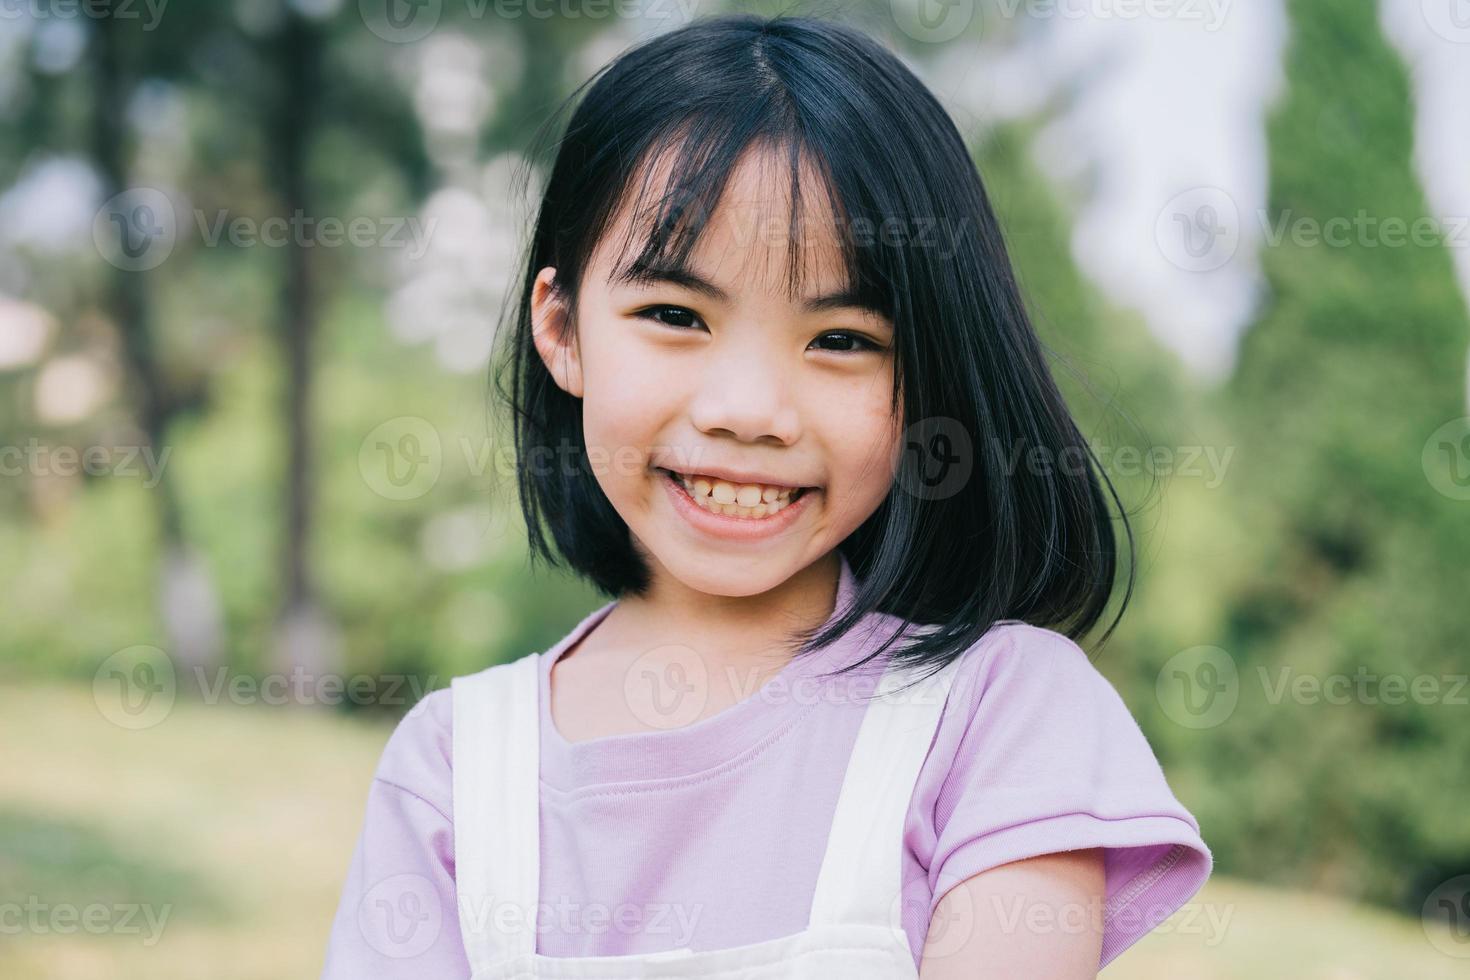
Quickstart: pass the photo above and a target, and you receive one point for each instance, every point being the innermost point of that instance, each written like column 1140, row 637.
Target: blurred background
column 256, row 494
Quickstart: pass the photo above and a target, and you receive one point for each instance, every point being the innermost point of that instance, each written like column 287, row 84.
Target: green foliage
column 1353, row 561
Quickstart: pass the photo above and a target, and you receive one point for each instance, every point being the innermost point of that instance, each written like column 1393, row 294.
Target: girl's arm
column 1039, row 917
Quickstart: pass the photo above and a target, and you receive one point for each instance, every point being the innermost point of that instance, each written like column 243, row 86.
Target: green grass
column 234, row 826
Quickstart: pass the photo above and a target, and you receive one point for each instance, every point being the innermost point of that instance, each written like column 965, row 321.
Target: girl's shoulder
column 1031, row 666
column 419, row 753
column 1038, row 680
column 1010, row 641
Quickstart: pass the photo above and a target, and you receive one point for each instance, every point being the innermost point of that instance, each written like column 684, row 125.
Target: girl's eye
column 681, row 318
column 678, row 313
column 859, row 342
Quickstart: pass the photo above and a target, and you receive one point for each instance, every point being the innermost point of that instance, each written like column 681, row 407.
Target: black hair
column 1006, row 542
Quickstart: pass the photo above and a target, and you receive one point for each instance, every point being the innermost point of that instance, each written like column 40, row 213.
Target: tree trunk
column 188, row 601
column 306, row 638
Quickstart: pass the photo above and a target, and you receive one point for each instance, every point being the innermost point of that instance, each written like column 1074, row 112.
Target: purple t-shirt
column 711, row 835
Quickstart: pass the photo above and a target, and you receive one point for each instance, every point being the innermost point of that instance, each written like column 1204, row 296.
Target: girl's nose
column 746, row 393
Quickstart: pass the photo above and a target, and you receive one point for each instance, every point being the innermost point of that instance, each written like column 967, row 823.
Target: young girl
column 772, row 376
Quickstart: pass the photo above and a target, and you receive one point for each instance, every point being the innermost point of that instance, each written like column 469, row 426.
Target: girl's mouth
column 744, row 501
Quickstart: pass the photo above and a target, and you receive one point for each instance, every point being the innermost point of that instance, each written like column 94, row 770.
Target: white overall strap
column 496, row 773
column 862, row 871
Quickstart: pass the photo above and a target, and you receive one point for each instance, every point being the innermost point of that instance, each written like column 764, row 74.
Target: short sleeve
column 1037, row 753
column 398, row 916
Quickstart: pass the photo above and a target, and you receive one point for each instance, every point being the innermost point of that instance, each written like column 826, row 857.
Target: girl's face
column 715, row 371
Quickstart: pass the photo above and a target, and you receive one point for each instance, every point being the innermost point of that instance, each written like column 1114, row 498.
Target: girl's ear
column 551, row 330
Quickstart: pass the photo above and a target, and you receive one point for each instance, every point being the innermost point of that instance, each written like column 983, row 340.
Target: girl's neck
column 725, row 629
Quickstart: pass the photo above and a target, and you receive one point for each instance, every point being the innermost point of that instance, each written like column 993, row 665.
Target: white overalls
column 854, row 932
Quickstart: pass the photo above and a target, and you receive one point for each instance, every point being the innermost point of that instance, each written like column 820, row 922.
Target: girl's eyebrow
column 643, row 273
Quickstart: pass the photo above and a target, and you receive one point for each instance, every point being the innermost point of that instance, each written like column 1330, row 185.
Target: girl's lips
column 734, row 528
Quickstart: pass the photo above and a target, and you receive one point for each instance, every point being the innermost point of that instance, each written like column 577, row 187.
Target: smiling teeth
column 738, row 499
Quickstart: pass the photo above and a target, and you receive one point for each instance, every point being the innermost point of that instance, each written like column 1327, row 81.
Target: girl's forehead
column 753, row 229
